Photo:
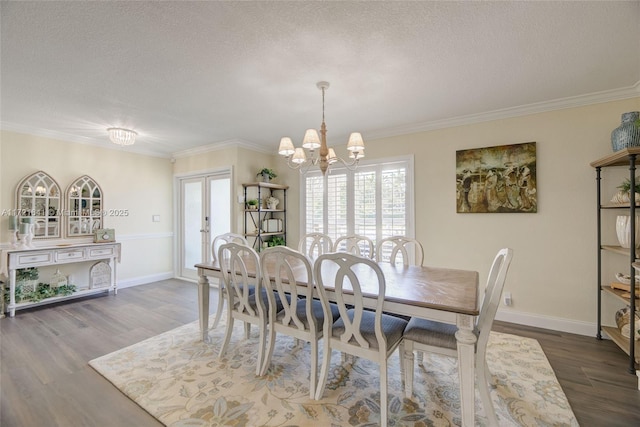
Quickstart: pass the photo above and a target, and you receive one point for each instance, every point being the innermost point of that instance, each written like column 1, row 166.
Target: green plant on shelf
column 42, row 291
column 266, row 172
column 276, row 241
column 625, row 187
column 30, row 273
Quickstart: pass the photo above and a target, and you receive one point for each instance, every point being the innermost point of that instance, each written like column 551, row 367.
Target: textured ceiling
column 193, row 74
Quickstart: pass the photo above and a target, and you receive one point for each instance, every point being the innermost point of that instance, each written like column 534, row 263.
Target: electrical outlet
column 507, row 298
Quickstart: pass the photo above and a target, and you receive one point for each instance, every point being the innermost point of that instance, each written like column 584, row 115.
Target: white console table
column 15, row 259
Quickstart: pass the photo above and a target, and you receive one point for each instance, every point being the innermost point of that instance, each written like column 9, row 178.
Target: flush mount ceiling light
column 323, row 158
column 122, row 136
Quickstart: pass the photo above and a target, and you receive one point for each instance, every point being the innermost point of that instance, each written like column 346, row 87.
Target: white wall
column 141, row 184
column 553, row 274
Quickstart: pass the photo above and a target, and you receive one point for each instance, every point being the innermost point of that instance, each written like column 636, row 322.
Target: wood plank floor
column 45, row 379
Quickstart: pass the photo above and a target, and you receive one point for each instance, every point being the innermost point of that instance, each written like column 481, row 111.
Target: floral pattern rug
column 181, row 382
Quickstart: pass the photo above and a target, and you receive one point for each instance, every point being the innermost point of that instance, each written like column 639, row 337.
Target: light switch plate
column 156, row 218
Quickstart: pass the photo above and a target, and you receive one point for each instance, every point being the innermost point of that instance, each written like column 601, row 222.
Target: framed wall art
column 500, row 179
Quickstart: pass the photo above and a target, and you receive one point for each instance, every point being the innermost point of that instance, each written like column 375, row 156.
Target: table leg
column 466, row 368
column 203, row 306
column 12, row 292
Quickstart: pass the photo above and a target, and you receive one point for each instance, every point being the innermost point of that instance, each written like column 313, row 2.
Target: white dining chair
column 315, row 244
column 355, row 244
column 215, row 245
column 362, row 333
column 409, row 249
column 437, row 337
column 300, row 316
column 236, row 262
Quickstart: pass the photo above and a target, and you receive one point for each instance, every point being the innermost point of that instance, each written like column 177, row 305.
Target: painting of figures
column 497, row 179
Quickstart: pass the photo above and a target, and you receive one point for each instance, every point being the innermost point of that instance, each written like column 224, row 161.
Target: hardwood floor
column 46, row 381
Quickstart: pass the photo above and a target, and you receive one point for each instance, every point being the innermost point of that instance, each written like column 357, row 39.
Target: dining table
column 434, row 293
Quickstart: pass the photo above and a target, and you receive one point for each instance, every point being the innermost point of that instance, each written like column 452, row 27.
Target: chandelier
column 324, row 157
column 122, row 136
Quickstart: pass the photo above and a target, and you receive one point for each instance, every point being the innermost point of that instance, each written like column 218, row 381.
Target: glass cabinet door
column 84, row 201
column 38, row 199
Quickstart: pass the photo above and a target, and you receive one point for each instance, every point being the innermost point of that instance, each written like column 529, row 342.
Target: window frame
column 378, row 165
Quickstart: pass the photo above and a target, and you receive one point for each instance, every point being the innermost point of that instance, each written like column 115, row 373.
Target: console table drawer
column 70, row 254
column 101, row 252
column 33, row 259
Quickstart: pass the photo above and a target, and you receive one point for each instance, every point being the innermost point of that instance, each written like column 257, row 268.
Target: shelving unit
column 254, row 218
column 14, row 259
column 625, row 157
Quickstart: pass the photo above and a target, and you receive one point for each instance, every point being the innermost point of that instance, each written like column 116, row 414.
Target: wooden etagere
column 254, row 219
column 626, row 157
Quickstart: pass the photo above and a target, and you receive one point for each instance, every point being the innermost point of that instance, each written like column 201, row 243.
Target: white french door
column 205, row 212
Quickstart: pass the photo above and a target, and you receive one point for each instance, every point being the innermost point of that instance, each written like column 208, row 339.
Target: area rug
column 179, row 380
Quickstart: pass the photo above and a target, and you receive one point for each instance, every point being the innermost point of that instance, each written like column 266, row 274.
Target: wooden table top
column 429, row 287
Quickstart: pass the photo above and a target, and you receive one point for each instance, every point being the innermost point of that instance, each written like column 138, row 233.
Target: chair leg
column 421, row 358
column 269, row 351
column 401, row 357
column 324, row 370
column 313, row 375
column 247, row 330
column 483, row 388
column 408, row 369
column 220, row 305
column 261, row 344
column 384, row 404
column 227, row 335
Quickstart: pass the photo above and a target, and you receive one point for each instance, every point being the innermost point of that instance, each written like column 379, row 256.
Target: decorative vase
column 623, row 230
column 628, row 133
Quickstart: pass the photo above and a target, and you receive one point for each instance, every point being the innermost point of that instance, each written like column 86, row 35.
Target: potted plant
column 266, row 174
column 276, row 241
column 622, row 196
column 252, row 204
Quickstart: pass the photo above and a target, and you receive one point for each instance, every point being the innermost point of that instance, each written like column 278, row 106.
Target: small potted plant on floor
column 266, row 174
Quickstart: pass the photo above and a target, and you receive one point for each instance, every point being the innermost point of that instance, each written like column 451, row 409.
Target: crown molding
column 216, row 146
column 505, row 113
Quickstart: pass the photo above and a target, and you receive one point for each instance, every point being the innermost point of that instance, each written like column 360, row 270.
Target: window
column 375, row 200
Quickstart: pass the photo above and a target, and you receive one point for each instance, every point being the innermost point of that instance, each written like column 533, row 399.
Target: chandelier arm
column 353, row 165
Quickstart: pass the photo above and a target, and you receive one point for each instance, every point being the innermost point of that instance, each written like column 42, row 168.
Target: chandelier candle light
column 324, row 157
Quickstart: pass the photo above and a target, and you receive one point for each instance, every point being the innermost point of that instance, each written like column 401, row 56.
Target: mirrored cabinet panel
column 38, row 202
column 84, row 207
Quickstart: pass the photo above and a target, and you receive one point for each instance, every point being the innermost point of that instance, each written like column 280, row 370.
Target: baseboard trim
column 143, row 280
column 548, row 322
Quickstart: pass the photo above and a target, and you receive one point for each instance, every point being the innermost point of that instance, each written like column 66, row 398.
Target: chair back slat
column 341, row 271
column 286, row 266
column 408, row 248
column 226, row 238
column 492, row 293
column 315, row 244
column 233, row 258
column 355, row 244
